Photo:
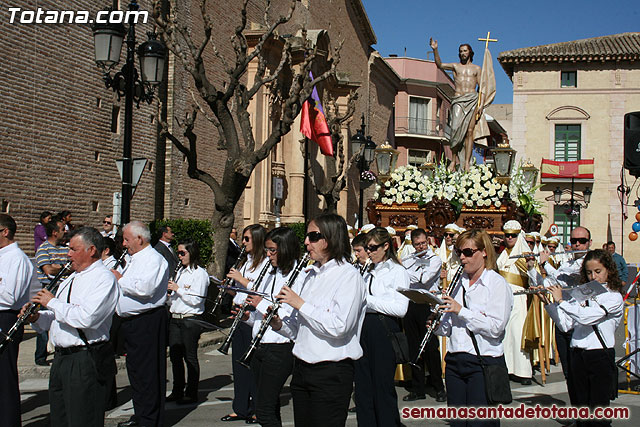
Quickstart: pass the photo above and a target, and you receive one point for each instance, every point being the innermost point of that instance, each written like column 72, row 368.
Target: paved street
column 216, row 392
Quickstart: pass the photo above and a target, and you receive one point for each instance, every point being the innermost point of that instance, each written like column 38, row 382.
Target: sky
column 408, row 24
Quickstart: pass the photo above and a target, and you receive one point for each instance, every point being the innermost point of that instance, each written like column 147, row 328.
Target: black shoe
column 42, row 363
column 352, row 410
column 525, row 381
column 187, row 400
column 251, row 420
column 441, row 396
column 232, row 418
column 130, row 423
column 173, row 397
column 413, row 396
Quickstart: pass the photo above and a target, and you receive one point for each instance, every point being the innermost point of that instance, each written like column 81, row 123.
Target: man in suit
column 164, row 247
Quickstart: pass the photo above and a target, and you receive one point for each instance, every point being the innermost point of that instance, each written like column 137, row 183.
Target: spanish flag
column 313, row 124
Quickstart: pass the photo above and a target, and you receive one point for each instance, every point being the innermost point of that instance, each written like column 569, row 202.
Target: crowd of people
column 334, row 320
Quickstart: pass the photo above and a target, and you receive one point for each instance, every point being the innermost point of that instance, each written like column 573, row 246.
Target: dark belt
column 323, row 363
column 15, row 312
column 65, row 351
column 144, row 313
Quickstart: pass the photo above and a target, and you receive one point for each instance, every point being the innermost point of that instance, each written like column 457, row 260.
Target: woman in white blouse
column 244, row 385
column 272, row 362
column 375, row 397
column 480, row 306
column 325, row 324
column 592, row 373
column 185, row 299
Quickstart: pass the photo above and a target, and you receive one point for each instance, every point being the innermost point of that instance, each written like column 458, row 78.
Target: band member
column 515, row 272
column 325, row 326
column 244, row 385
column 447, row 253
column 360, row 254
column 273, row 361
column 186, row 301
column 567, row 274
column 16, row 272
column 376, row 399
column 424, row 273
column 594, row 324
column 143, row 292
column 79, row 318
column 481, row 306
column 407, row 248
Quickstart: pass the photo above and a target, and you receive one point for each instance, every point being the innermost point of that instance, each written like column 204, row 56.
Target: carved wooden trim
column 478, row 221
column 402, row 220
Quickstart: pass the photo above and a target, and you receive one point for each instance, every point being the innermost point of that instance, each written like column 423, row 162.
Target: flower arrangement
column 476, row 188
column 368, row 176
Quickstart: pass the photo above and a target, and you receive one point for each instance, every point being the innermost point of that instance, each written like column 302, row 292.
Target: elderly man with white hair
column 143, row 291
column 515, row 272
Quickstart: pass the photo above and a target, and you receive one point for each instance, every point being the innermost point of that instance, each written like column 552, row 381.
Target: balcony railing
column 426, row 127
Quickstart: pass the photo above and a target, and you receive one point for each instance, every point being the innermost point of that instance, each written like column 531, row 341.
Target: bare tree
column 334, row 179
column 289, row 85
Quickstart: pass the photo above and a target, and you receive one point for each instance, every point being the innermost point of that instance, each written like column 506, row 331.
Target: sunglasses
column 449, row 234
column 467, row 252
column 106, row 222
column 182, row 253
column 373, row 248
column 271, row 250
column 245, row 238
column 581, row 240
column 510, row 235
column 531, row 242
column 314, row 236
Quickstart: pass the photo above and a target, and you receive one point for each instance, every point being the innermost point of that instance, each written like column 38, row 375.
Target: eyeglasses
column 373, row 248
column 182, row 253
column 529, row 242
column 449, row 234
column 467, row 252
column 245, row 238
column 581, row 240
column 106, row 222
column 510, row 235
column 420, row 244
column 271, row 250
column 314, row 236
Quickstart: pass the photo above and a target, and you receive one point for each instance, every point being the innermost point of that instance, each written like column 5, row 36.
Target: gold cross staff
column 487, row 40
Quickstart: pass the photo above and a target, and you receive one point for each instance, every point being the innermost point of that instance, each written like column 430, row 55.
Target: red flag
column 313, row 123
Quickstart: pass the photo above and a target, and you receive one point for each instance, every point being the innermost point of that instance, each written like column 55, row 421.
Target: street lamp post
column 366, row 149
column 572, row 204
column 108, row 38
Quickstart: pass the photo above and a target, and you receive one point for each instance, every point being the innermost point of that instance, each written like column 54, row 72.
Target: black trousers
column 78, row 386
column 591, row 374
column 145, row 341
column 9, row 390
column 465, row 384
column 321, row 392
column 563, row 340
column 375, row 397
column 415, row 329
column 271, row 366
column 183, row 349
column 244, row 384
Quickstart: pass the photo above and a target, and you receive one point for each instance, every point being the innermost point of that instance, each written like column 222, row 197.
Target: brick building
column 62, row 130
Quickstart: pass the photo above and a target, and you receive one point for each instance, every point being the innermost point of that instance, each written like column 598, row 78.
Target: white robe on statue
column 515, row 273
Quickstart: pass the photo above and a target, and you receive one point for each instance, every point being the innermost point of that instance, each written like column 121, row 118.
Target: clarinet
column 225, row 282
column 224, row 348
column 365, row 267
column 120, row 261
column 173, row 276
column 436, row 321
column 33, row 308
column 246, row 358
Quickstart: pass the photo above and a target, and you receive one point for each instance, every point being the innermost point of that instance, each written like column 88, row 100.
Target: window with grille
column 418, row 157
column 567, row 144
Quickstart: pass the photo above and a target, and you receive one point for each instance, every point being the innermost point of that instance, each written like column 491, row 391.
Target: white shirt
column 568, row 274
column 571, row 315
column 192, row 286
column 271, row 284
column 109, row 262
column 424, row 272
column 382, row 284
column 248, row 273
column 327, row 326
column 16, row 271
column 143, row 285
column 110, row 234
column 489, row 303
column 94, row 293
